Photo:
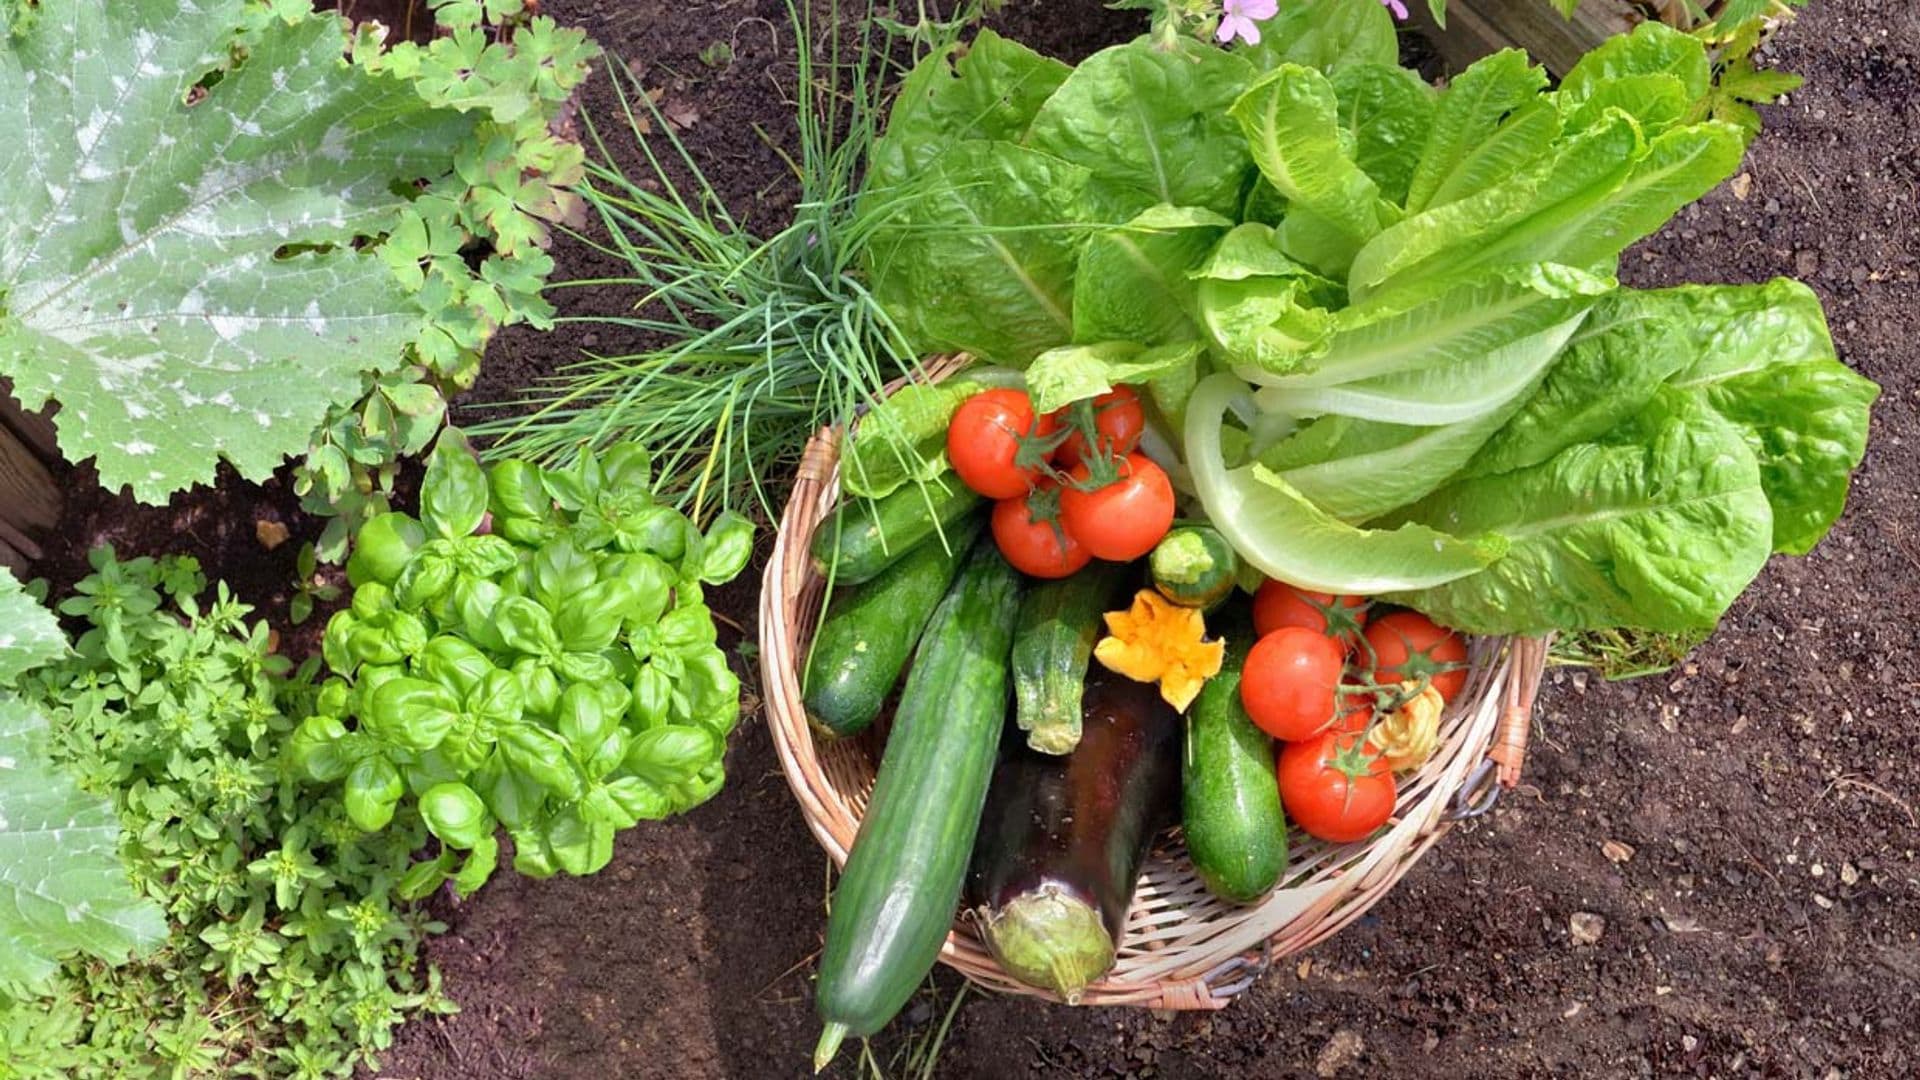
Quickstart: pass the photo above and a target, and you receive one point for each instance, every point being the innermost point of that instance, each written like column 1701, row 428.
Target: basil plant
column 532, row 652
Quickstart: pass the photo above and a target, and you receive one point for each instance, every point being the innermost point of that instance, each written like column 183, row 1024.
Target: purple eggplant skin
column 1063, row 839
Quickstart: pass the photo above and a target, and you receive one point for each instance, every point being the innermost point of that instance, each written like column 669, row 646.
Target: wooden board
column 34, row 428
column 28, row 498
column 1478, row 27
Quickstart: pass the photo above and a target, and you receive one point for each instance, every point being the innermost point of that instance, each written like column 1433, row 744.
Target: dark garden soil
column 1742, row 833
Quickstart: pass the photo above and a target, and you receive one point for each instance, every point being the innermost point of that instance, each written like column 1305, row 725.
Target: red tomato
column 1118, row 421
column 1279, row 604
column 1124, row 520
column 984, row 442
column 1407, row 645
column 1335, row 788
column 1290, row 682
column 1044, row 549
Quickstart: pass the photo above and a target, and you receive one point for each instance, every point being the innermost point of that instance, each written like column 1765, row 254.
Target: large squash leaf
column 177, row 252
column 29, row 635
column 62, row 888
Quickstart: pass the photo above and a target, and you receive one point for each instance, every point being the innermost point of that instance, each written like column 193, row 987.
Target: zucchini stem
column 830, row 1038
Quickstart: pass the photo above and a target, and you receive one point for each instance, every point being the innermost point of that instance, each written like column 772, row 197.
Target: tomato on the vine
column 986, row 439
column 1279, row 604
column 1042, row 549
column 1336, row 787
column 1122, row 521
column 1407, row 645
column 1290, row 684
column 1118, row 420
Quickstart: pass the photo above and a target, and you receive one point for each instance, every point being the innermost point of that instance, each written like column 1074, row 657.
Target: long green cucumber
column 870, row 631
column 865, row 536
column 1059, row 622
column 1230, row 795
column 897, row 896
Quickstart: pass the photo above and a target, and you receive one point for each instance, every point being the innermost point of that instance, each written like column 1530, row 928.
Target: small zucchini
column 865, row 536
column 870, row 631
column 1194, row 566
column 1059, row 623
column 1230, row 797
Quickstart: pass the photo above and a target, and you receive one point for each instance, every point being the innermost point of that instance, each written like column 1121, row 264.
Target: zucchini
column 902, row 881
column 870, row 631
column 1063, row 839
column 1230, row 797
column 1059, row 622
column 1194, row 566
column 865, row 536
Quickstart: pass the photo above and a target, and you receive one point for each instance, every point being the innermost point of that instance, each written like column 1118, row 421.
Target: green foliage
column 765, row 335
column 286, row 951
column 471, row 247
column 29, row 635
column 184, row 277
column 1441, row 394
column 556, row 675
column 64, row 890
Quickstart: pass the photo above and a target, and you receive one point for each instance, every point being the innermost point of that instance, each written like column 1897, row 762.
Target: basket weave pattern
column 1183, row 948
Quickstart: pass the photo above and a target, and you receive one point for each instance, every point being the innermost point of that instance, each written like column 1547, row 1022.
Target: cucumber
column 1194, row 566
column 1230, row 795
column 902, row 881
column 1059, row 622
column 870, row 631
column 865, row 536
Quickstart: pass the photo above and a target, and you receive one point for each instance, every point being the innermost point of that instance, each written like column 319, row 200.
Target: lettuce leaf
column 1286, row 536
column 1658, row 526
column 1153, row 119
column 981, row 257
column 1132, row 283
column 1389, row 111
column 1291, row 118
column 1626, row 349
column 1761, row 357
column 989, row 89
column 1059, row 377
column 1463, row 154
column 1326, row 34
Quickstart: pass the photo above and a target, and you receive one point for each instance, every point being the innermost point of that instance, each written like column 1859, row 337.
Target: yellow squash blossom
column 1410, row 735
column 1159, row 641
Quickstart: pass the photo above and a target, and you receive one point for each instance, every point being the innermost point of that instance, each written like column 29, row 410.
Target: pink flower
column 1399, row 9
column 1242, row 18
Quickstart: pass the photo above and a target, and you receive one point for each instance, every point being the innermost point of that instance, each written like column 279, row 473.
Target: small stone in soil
column 1341, row 1051
column 270, row 533
column 1586, row 927
column 1617, row 852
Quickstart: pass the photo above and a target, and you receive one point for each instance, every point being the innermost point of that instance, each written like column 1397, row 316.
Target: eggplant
column 1062, row 839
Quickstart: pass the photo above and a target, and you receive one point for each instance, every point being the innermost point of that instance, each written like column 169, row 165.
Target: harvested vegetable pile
column 1282, row 321
column 1377, row 322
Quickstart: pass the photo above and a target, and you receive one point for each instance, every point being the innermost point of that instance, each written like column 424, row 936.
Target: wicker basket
column 1183, row 948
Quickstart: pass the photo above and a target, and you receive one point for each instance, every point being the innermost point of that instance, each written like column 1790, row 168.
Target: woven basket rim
column 1182, row 948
